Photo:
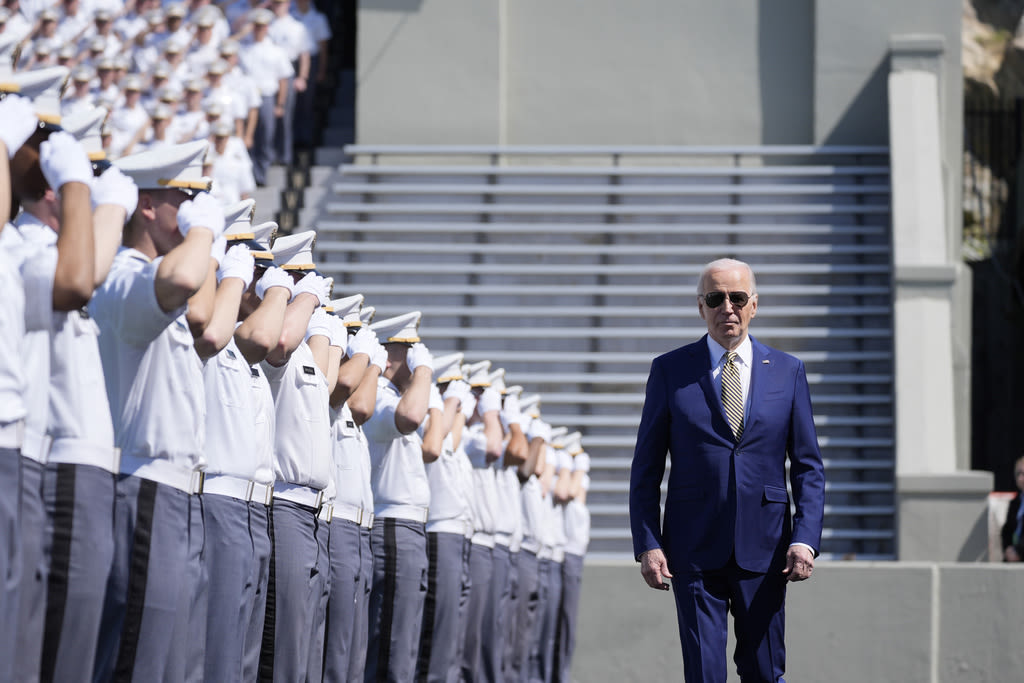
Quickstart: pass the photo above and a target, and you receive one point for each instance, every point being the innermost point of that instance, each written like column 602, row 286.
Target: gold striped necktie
column 732, row 394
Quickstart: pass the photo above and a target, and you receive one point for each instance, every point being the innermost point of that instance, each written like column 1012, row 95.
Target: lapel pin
column 766, row 361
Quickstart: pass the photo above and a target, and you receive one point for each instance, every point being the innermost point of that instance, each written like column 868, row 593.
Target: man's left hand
column 799, row 563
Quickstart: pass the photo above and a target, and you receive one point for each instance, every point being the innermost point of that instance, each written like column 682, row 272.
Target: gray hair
column 725, row 264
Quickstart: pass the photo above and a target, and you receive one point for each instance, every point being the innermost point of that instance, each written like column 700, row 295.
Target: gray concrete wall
column 905, row 622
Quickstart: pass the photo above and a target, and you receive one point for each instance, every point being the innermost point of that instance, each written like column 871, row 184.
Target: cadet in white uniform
column 302, row 468
column 449, row 526
column 577, row 535
column 269, row 66
column 401, row 497
column 352, row 404
column 484, row 447
column 154, row 384
column 319, row 36
column 290, row 35
column 17, row 124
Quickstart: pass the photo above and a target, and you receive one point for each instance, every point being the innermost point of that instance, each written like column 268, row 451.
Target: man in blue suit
column 728, row 410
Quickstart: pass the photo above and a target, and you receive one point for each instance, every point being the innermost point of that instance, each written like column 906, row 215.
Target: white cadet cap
column 238, row 220
column 161, row 112
column 477, row 374
column 530, row 405
column 264, row 233
column 366, row 314
column 514, row 390
column 572, row 443
column 82, row 74
column 132, row 82
column 98, row 44
column 69, row 51
column 222, row 129
column 49, row 14
column 402, row 329
column 218, row 66
column 448, row 367
column 347, row 309
column 86, row 125
column 497, row 380
column 43, row 87
column 170, row 166
column 295, row 252
column 178, row 9
column 559, row 433
column 229, row 47
column 261, row 16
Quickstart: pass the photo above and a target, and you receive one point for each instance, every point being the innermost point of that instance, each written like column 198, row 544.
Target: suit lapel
column 760, row 379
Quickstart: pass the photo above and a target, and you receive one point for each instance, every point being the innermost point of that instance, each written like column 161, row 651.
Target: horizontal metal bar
column 627, row 190
column 427, row 331
column 637, row 378
column 612, row 171
column 326, row 227
column 570, row 269
column 661, row 312
column 619, row 150
column 802, row 209
column 385, row 288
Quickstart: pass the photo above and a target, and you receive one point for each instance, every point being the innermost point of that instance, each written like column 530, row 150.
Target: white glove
column 339, row 334
column 419, row 356
column 319, row 323
column 363, row 341
column 468, row 406
column 63, row 160
column 379, row 357
column 17, row 122
column 274, row 277
column 217, row 249
column 114, row 187
column 459, row 389
column 539, row 429
column 237, row 262
column 435, row 399
column 510, row 413
column 319, row 287
column 489, row 400
column 202, row 212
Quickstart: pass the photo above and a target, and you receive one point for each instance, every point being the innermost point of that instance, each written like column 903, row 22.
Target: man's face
column 164, row 207
column 728, row 322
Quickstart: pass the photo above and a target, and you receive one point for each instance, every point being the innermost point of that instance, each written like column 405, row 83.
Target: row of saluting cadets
column 225, row 474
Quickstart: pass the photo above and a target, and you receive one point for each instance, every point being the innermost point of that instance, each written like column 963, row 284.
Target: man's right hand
column 654, row 566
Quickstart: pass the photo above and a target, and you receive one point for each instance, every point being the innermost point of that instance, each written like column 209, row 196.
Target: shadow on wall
column 859, row 125
column 391, row 5
column 785, row 46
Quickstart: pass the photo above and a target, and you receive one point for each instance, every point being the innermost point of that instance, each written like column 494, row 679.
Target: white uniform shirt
column 266, row 64
column 450, row 511
column 264, row 423
column 79, row 422
column 302, row 439
column 37, row 262
column 232, row 172
column 245, row 86
column 125, row 122
column 577, row 516
column 485, row 486
column 533, row 514
column 351, row 462
column 290, row 35
column 506, row 517
column 316, row 27
column 12, row 322
column 153, row 375
column 230, row 405
column 399, row 480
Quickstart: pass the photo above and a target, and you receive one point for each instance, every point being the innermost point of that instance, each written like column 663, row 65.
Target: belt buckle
column 198, row 479
column 359, row 516
column 250, row 490
column 268, row 495
column 319, row 499
column 330, row 512
column 373, row 517
column 116, row 460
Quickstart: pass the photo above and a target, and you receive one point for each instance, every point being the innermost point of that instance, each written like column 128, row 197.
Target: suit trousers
column 757, row 602
column 79, row 509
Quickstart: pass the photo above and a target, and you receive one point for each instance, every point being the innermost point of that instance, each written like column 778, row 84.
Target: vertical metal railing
column 992, row 154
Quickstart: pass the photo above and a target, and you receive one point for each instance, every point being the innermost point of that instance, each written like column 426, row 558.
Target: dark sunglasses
column 716, row 299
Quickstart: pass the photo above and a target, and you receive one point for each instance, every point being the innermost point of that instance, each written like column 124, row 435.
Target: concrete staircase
column 573, row 267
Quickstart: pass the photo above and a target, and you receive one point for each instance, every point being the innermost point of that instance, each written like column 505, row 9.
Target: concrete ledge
column 930, row 276
column 853, row 621
column 955, row 483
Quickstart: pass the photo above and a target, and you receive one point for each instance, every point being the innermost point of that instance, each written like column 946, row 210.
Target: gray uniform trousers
column 535, row 669
column 232, row 569
column 455, row 669
column 440, row 631
column 550, row 578
column 10, row 557
column 481, row 566
column 495, row 624
column 283, row 127
column 511, row 616
column 79, row 510
column 361, row 627
column 396, row 600
column 346, row 585
column 34, row 570
column 293, row 594
column 190, row 627
column 315, row 669
column 302, row 121
column 146, row 581
column 565, row 642
column 527, row 605
column 259, row 527
column 263, row 139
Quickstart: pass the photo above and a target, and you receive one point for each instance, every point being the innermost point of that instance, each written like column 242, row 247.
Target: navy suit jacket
column 726, row 497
